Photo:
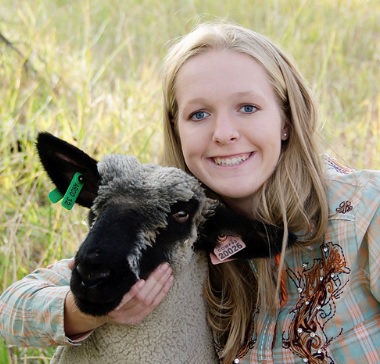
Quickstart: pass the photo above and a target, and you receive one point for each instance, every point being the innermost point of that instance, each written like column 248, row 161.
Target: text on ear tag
column 72, row 193
column 226, row 249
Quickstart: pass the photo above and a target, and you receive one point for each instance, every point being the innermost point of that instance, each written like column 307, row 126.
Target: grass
column 89, row 72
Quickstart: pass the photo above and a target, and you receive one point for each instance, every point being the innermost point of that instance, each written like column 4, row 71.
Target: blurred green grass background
column 89, row 72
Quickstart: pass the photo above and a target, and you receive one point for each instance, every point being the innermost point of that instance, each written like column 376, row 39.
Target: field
column 89, row 72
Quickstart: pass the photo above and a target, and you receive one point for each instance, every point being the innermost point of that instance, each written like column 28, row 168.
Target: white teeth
column 234, row 161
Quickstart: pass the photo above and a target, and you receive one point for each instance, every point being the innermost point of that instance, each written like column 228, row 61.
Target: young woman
column 240, row 118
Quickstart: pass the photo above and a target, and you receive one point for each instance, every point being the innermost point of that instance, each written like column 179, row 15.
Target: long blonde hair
column 293, row 197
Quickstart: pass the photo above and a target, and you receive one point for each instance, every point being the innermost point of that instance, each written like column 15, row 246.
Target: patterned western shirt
column 332, row 314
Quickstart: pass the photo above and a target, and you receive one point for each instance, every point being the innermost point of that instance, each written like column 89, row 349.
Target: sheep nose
column 91, row 277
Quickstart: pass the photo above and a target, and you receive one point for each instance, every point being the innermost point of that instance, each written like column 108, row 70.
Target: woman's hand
column 143, row 297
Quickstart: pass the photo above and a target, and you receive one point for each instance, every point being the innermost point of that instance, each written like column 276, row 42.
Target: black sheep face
column 140, row 216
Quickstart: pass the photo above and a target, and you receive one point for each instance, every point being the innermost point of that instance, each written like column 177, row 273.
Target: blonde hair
column 293, row 197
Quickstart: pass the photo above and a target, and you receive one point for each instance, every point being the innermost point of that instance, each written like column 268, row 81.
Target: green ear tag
column 73, row 191
column 55, row 196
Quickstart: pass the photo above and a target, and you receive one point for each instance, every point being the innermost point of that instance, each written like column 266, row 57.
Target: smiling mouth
column 231, row 161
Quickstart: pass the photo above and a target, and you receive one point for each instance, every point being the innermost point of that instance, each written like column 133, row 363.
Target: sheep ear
column 62, row 160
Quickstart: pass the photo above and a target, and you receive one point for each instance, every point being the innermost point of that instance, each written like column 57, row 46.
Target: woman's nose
column 225, row 131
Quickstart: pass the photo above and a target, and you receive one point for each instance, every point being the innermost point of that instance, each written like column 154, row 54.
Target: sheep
column 140, row 216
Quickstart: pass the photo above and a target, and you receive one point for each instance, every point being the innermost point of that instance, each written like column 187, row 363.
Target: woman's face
column 229, row 123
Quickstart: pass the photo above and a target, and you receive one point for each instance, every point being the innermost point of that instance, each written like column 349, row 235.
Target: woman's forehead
column 217, row 73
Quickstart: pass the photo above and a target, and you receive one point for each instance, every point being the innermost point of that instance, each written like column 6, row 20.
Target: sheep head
column 140, row 216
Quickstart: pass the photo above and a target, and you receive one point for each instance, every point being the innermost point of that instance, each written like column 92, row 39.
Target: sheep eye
column 181, row 216
column 221, row 237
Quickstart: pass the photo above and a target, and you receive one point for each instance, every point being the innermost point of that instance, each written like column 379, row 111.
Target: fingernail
column 164, row 267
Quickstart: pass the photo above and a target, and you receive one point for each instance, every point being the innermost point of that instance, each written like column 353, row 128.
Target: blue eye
column 249, row 109
column 198, row 115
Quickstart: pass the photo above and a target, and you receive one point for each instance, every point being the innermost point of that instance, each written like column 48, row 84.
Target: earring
column 284, row 135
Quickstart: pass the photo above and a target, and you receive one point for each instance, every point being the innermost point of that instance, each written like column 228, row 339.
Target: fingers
column 156, row 286
column 70, row 264
column 153, row 289
column 143, row 297
column 135, row 289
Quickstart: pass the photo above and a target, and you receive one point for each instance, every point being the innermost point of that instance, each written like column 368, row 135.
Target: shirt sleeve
column 32, row 309
column 368, row 224
column 373, row 236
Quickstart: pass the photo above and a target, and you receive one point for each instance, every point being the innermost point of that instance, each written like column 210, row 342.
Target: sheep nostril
column 91, row 277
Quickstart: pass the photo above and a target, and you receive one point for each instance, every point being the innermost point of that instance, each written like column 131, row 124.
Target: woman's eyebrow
column 254, row 94
column 191, row 103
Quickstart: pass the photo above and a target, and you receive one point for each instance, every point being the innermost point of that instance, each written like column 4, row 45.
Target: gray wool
column 173, row 184
column 123, row 175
